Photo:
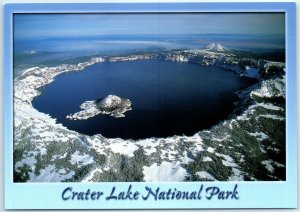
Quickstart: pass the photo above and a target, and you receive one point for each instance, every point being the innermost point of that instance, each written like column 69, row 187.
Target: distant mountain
column 216, row 47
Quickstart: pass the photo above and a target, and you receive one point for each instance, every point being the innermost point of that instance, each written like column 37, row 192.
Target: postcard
column 150, row 106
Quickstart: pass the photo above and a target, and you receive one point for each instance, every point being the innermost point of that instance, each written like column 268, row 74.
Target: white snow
column 205, row 175
column 260, row 135
column 210, row 149
column 207, row 159
column 81, row 160
column 88, row 109
column 237, row 175
column 124, row 148
column 29, row 69
column 225, row 137
column 166, row 172
column 30, row 161
column 215, row 47
column 271, row 88
column 269, row 165
column 49, row 174
column 228, row 160
column 91, row 174
column 149, row 145
column 186, row 159
column 55, row 157
column 62, row 171
column 272, row 117
column 270, row 106
column 227, row 163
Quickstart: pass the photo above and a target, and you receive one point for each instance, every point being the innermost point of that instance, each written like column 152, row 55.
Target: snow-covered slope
column 215, row 47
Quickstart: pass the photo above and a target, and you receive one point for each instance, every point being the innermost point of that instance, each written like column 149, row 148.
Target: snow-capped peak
column 215, row 47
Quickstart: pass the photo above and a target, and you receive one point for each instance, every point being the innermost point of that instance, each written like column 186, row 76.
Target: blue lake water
column 168, row 98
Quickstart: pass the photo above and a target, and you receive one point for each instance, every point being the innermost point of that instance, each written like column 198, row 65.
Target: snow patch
column 124, row 148
column 81, row 160
column 269, row 165
column 186, row 159
column 271, row 88
column 205, row 175
column 30, row 161
column 228, row 160
column 269, row 116
column 270, row 106
column 215, row 47
column 259, row 135
column 210, row 149
column 166, row 172
column 50, row 174
column 149, row 145
column 237, row 175
column 206, row 159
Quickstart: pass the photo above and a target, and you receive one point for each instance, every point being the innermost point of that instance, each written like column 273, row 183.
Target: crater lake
column 168, row 98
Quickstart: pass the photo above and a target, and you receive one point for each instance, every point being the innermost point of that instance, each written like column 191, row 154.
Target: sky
column 64, row 25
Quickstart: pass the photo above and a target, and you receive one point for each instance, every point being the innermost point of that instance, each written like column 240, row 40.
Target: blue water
column 57, row 50
column 54, row 51
column 114, row 44
column 167, row 98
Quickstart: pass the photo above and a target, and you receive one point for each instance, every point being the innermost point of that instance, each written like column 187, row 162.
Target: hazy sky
column 56, row 25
